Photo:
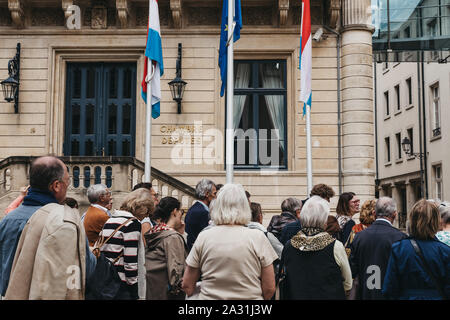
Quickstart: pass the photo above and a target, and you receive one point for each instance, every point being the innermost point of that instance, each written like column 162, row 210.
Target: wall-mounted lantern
column 177, row 85
column 10, row 86
column 406, row 146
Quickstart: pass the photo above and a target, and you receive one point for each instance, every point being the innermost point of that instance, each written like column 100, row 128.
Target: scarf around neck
column 159, row 227
column 311, row 239
column 37, row 197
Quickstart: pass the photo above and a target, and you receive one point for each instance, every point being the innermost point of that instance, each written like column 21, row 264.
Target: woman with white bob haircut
column 315, row 264
column 235, row 262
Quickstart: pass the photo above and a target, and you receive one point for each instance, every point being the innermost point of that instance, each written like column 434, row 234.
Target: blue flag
column 224, row 38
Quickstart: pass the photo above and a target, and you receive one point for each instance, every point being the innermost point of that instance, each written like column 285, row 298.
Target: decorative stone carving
column 5, row 17
column 334, row 8
column 142, row 16
column 203, row 16
column 164, row 15
column 47, row 17
column 175, row 7
column 17, row 13
column 257, row 16
column 357, row 14
column 123, row 12
column 296, row 15
column 99, row 16
column 283, row 9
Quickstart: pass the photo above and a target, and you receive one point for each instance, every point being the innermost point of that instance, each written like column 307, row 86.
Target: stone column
column 410, row 198
column 398, row 199
column 357, row 99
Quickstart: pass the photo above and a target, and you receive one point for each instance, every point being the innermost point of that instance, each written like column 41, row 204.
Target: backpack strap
column 427, row 269
column 101, row 241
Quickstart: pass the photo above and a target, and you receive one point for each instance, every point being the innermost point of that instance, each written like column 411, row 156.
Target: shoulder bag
column 281, row 281
column 105, row 283
column 428, row 270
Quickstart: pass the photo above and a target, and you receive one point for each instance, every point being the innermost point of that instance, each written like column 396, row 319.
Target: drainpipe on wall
column 377, row 180
column 338, row 53
column 424, row 129
column 422, row 141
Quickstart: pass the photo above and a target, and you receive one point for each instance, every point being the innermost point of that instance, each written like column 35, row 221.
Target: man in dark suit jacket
column 197, row 217
column 371, row 248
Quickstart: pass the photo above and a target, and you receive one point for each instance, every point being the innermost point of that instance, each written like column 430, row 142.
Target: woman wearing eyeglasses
column 166, row 252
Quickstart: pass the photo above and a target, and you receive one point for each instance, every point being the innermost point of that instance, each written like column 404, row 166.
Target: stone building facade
column 113, row 37
column 413, row 102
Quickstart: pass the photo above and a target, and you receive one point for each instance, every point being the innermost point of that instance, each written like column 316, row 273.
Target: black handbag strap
column 427, row 268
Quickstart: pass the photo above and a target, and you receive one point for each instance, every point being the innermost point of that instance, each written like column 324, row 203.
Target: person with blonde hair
column 419, row 266
column 126, row 248
column 315, row 263
column 234, row 262
column 366, row 218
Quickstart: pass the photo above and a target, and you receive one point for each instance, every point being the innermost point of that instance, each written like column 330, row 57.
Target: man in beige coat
column 50, row 261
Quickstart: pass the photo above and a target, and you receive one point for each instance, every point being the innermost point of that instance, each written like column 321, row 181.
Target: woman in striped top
column 126, row 246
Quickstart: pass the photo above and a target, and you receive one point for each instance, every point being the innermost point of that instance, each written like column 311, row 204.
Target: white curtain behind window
column 242, row 77
column 271, row 78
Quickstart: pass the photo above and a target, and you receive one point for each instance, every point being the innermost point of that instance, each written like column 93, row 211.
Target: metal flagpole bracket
column 149, row 76
column 232, row 32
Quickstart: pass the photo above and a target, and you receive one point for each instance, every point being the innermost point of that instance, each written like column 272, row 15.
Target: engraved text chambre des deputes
column 184, row 134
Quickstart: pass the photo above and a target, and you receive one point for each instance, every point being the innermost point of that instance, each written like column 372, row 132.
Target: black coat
column 278, row 222
column 370, row 251
column 197, row 218
column 290, row 230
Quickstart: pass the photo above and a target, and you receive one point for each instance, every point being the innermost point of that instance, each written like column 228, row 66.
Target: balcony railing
column 120, row 174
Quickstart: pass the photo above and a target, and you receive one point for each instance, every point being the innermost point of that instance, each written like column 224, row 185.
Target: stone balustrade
column 120, row 174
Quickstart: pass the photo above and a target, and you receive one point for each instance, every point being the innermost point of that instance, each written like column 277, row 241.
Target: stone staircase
column 120, row 174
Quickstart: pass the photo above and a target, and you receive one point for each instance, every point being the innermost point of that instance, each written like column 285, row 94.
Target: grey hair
column 204, row 186
column 231, row 206
column 291, row 205
column 444, row 210
column 315, row 213
column 385, row 207
column 95, row 191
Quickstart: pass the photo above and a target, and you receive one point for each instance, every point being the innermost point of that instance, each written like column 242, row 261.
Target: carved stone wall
column 47, row 17
column 316, row 14
column 203, row 16
column 257, row 16
column 5, row 17
column 98, row 14
column 356, row 13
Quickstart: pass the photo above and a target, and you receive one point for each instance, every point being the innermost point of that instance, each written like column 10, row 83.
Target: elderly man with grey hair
column 197, row 218
column 290, row 212
column 95, row 217
column 371, row 248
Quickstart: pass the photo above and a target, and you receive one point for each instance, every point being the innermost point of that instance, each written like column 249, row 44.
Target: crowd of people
column 219, row 249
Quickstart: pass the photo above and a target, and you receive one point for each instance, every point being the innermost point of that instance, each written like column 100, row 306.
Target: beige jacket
column 50, row 261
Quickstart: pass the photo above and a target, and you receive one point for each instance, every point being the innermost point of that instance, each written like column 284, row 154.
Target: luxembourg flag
column 153, row 51
column 305, row 64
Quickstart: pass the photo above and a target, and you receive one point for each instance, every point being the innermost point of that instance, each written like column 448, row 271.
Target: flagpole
column 230, row 95
column 308, row 149
column 308, row 117
column 148, row 128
